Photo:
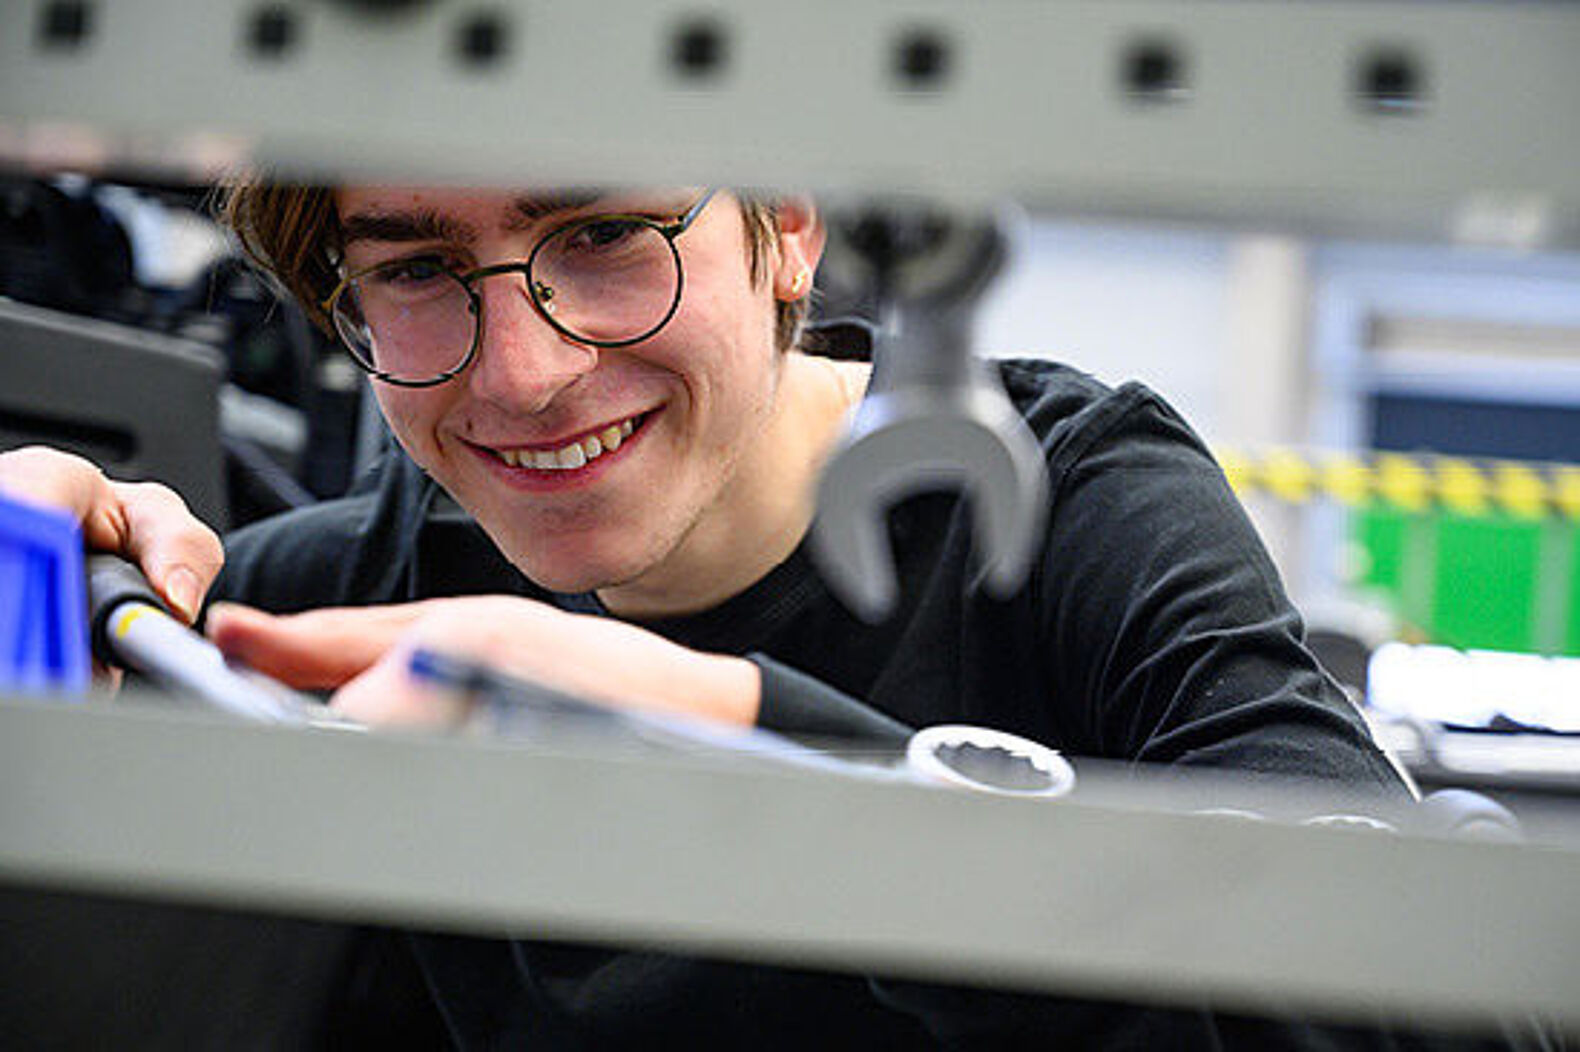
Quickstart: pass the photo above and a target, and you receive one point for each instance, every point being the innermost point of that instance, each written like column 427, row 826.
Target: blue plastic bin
column 43, row 604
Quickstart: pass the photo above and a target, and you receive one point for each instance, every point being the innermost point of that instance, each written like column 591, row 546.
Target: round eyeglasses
column 608, row 280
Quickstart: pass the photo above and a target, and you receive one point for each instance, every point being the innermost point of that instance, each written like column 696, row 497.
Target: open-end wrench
column 935, row 417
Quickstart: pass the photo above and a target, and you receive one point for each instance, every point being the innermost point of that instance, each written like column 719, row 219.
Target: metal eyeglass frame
column 468, row 279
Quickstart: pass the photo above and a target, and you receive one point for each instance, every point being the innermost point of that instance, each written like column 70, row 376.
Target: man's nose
column 522, row 361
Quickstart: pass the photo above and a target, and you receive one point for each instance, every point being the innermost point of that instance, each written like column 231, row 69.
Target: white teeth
column 573, row 456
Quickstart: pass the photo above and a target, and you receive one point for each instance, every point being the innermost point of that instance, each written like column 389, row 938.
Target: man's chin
column 571, row 573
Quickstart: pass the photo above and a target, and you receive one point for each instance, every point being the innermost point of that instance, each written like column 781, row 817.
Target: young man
column 607, row 386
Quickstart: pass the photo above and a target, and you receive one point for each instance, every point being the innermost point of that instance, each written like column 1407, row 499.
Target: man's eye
column 411, row 273
column 604, row 234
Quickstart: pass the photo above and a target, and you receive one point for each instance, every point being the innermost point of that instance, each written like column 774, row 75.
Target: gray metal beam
column 1113, row 892
column 1452, row 119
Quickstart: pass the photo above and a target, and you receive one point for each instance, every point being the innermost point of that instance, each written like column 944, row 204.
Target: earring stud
column 799, row 283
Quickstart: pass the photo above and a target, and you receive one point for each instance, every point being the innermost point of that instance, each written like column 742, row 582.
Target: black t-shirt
column 1152, row 628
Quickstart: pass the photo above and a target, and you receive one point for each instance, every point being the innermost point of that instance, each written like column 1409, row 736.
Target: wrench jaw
column 936, row 417
column 852, row 549
column 907, row 442
column 1009, row 494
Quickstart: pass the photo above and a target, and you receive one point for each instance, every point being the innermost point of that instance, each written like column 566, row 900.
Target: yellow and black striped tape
column 1519, row 489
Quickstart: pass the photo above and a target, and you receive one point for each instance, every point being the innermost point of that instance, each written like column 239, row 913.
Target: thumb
column 317, row 650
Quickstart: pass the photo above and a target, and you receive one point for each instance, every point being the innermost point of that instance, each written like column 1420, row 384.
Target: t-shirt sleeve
column 1165, row 636
column 1168, row 627
column 801, row 707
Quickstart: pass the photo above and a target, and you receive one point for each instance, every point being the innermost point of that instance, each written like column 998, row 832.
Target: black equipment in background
column 138, row 404
column 289, row 412
column 62, row 250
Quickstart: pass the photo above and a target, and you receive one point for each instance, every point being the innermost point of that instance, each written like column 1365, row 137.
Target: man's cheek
column 405, row 423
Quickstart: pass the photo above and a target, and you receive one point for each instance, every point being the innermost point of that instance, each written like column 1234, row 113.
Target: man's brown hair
column 293, row 233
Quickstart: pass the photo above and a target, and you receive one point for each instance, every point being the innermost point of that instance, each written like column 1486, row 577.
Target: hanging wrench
column 935, row 416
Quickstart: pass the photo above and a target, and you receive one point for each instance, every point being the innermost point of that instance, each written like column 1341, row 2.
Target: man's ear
column 801, row 239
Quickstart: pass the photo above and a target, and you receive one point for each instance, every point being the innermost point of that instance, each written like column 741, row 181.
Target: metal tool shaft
column 131, row 630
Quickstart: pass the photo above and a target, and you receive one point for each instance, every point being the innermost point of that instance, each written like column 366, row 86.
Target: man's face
column 673, row 416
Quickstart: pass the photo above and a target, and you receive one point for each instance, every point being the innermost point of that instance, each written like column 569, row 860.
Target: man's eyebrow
column 529, row 208
column 404, row 226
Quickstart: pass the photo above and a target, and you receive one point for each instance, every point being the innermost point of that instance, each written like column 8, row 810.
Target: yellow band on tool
column 123, row 622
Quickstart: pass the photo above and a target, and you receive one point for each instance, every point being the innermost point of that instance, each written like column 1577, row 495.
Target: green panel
column 1400, row 565
column 1468, row 582
column 1486, row 583
column 1572, row 629
column 1381, row 533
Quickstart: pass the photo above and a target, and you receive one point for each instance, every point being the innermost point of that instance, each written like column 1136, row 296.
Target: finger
column 42, row 475
column 178, row 553
column 310, row 651
column 108, row 676
column 387, row 695
column 67, row 483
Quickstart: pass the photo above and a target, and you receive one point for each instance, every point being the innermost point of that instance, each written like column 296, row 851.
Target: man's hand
column 141, row 521
column 363, row 653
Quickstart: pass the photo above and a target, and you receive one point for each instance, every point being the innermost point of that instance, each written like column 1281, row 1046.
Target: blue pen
column 977, row 758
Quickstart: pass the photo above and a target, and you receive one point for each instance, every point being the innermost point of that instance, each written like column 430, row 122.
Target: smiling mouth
column 573, row 455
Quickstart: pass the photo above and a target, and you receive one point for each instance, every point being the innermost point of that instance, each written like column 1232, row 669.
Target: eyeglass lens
column 409, row 321
column 607, row 281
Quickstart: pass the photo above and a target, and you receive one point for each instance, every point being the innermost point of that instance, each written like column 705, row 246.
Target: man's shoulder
column 1060, row 402
column 295, row 560
column 327, row 524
